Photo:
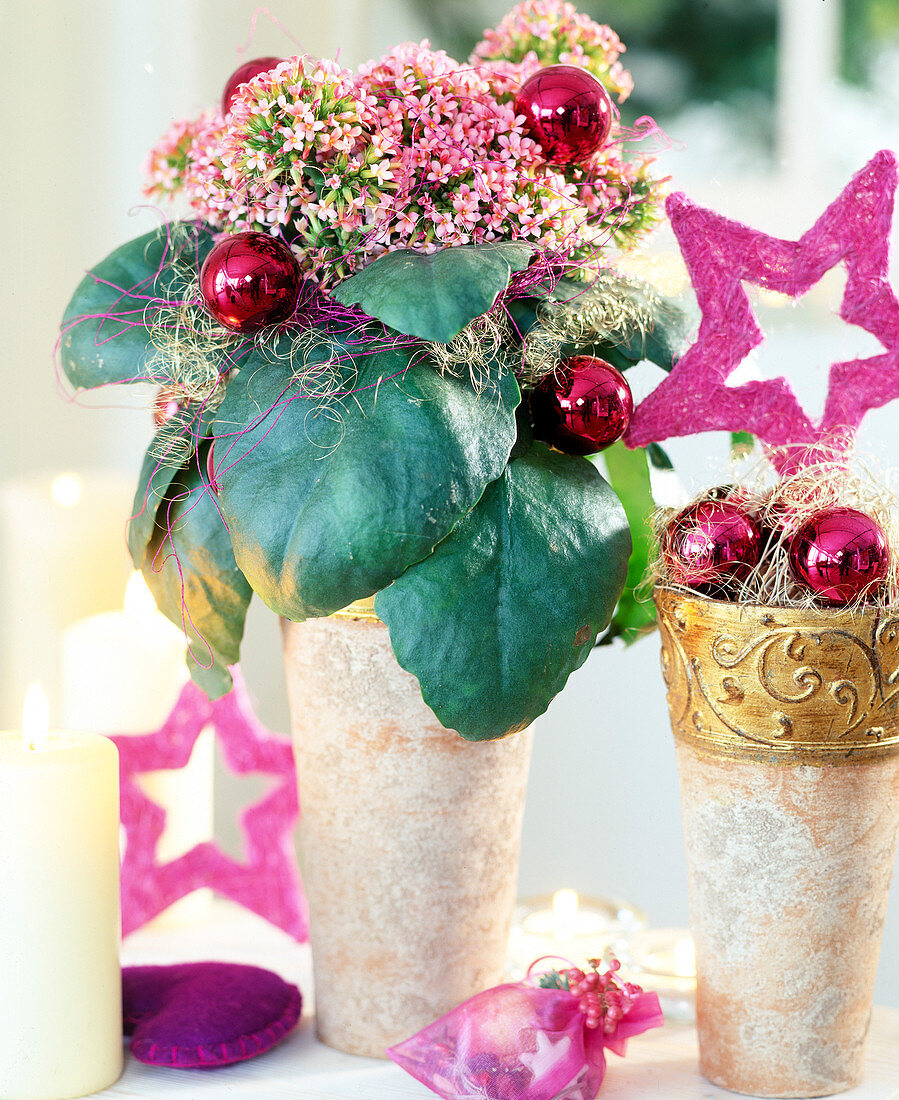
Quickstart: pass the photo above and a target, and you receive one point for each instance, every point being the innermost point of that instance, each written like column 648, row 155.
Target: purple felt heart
column 205, row 1014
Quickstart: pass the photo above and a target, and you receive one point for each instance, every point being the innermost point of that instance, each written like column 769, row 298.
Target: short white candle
column 568, row 927
column 121, row 674
column 60, row 982
column 663, row 961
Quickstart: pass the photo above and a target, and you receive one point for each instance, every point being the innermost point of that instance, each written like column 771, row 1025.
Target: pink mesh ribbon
column 521, row 1042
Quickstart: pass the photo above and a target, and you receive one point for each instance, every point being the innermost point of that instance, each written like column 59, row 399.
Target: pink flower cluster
column 548, row 32
column 414, row 150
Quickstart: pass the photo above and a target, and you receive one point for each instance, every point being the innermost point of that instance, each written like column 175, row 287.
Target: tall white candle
column 62, row 557
column 60, row 982
column 122, row 672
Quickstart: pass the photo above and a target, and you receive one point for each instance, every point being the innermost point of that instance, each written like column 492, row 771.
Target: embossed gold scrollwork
column 781, row 684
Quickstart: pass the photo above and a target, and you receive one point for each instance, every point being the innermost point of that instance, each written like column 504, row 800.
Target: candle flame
column 685, row 959
column 139, row 600
column 35, row 717
column 66, row 490
column 565, row 907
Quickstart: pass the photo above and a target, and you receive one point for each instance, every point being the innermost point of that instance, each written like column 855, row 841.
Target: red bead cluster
column 839, row 555
column 601, row 998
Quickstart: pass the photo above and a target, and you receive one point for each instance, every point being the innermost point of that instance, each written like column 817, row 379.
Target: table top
column 660, row 1065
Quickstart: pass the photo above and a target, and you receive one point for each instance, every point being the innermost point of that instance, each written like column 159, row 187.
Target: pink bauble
column 250, row 280
column 245, row 73
column 710, row 543
column 584, row 407
column 166, row 404
column 840, row 555
column 567, row 110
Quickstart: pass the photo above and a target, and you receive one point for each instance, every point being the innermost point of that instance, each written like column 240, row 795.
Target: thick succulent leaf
column 510, row 603
column 628, row 473
column 434, row 296
column 106, row 328
column 191, row 571
column 168, row 454
column 329, row 500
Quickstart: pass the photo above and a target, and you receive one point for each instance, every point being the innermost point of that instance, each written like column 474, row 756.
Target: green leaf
column 434, row 296
column 329, row 500
column 628, row 473
column 661, row 343
column 191, row 571
column 169, row 452
column 106, row 328
column 509, row 604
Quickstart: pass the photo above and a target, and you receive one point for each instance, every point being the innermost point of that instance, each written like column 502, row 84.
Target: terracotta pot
column 787, row 731
column 409, row 838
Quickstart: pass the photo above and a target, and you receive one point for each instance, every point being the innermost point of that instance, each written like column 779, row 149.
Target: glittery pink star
column 720, row 255
column 269, row 882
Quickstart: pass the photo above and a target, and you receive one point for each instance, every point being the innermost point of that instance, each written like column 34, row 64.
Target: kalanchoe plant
column 377, row 441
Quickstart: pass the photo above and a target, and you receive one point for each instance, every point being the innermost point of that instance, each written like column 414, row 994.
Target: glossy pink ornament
column 166, row 404
column 840, row 555
column 245, row 73
column 250, row 280
column 583, row 408
column 567, row 110
column 710, row 543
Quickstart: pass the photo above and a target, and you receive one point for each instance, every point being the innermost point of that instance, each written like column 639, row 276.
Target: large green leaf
column 191, row 571
column 329, row 499
column 169, row 452
column 106, row 328
column 509, row 604
column 661, row 342
column 434, row 296
column 628, row 473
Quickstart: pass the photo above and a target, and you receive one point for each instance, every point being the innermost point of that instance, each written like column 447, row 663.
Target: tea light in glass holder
column 568, row 927
column 663, row 961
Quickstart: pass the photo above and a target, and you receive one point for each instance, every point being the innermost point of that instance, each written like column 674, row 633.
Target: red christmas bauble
column 583, row 408
column 567, row 110
column 250, row 280
column 710, row 543
column 166, row 404
column 246, row 72
column 840, row 555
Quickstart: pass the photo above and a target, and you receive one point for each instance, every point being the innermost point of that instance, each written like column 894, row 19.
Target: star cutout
column 720, row 255
column 269, row 882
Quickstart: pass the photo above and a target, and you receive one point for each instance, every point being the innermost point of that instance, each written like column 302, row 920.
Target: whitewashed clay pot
column 788, row 752
column 409, row 838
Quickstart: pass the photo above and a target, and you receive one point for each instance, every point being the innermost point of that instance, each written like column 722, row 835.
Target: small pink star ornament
column 720, row 256
column 269, row 882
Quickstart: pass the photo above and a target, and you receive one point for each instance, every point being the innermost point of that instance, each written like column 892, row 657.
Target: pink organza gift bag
column 530, row 1041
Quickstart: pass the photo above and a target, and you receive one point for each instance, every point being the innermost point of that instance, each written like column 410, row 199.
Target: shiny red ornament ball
column 567, row 110
column 245, row 73
column 250, row 280
column 583, row 408
column 710, row 543
column 166, row 404
column 840, row 555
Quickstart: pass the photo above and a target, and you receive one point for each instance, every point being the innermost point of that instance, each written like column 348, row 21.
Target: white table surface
column 660, row 1065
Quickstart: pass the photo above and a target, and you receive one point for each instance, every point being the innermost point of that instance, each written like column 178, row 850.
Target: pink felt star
column 720, row 255
column 269, row 882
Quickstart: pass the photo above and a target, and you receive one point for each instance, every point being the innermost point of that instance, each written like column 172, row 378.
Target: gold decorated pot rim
column 358, row 611
column 780, row 685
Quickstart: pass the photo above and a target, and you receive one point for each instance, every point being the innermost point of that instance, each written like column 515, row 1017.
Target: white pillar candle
column 63, row 556
column 122, row 672
column 60, row 982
